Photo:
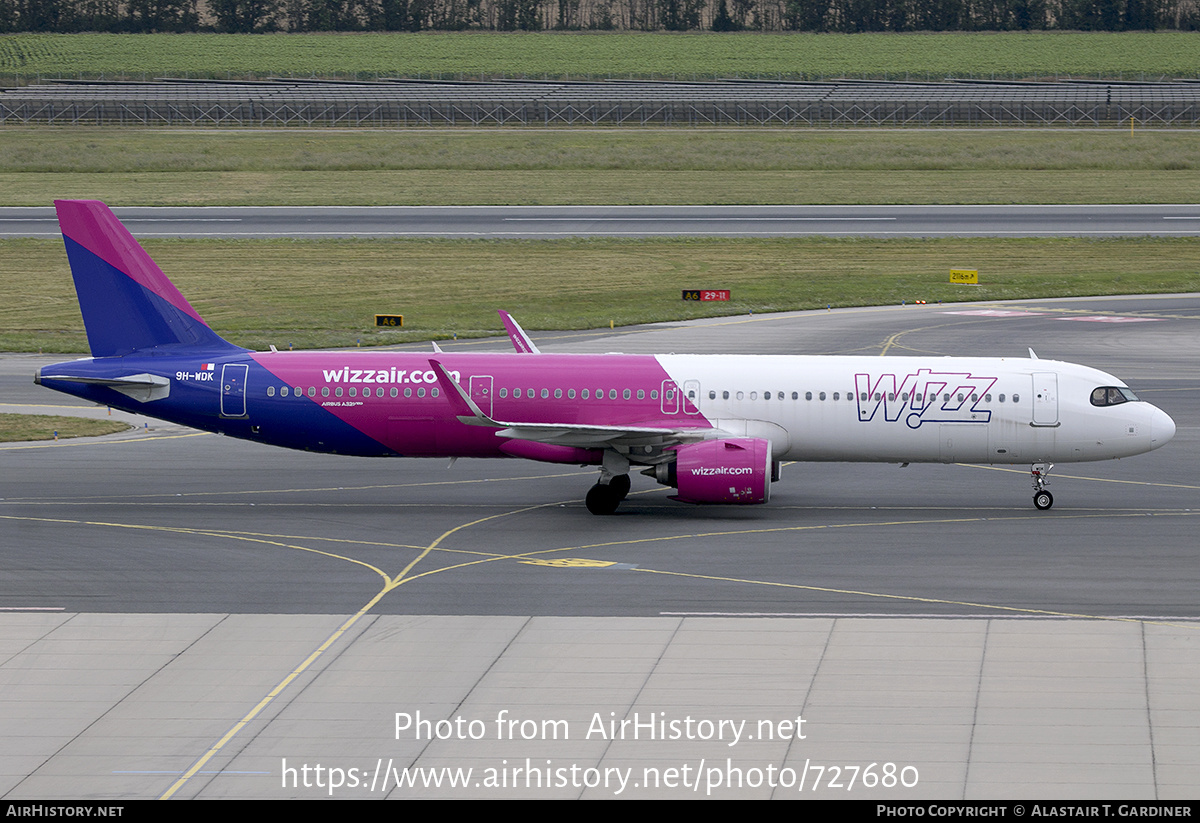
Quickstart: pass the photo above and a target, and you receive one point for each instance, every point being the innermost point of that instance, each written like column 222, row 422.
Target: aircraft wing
column 562, row 434
column 595, row 437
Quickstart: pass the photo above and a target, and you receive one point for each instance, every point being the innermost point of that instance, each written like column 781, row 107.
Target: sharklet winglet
column 464, row 407
column 517, row 335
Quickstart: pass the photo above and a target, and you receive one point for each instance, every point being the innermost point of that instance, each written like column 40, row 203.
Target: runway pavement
column 633, row 221
column 164, row 585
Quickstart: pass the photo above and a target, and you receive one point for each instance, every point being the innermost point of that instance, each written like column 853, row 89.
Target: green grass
column 23, row 427
column 1128, row 55
column 631, row 166
column 324, row 294
column 121, row 150
column 603, row 188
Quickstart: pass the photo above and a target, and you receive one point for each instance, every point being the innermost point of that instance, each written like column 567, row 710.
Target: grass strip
column 460, row 167
column 482, row 188
column 580, row 55
column 133, row 150
column 321, row 294
column 25, row 427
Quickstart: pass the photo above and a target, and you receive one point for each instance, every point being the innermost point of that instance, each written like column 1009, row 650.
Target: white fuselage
column 918, row 409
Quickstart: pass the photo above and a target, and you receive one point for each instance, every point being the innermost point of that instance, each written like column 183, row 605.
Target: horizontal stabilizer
column 141, row 387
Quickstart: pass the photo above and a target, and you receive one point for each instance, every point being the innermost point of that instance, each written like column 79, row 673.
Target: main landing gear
column 603, row 498
column 1042, row 499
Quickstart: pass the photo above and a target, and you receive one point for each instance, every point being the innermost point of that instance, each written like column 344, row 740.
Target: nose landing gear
column 1040, row 473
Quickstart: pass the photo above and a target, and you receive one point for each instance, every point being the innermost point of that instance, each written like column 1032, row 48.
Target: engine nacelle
column 737, row 470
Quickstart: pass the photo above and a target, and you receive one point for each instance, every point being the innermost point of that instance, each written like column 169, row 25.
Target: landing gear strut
column 1040, row 473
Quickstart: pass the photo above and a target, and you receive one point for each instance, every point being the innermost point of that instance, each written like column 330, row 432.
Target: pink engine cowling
column 737, row 470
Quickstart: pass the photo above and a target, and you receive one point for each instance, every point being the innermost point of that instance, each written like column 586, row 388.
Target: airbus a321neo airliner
column 714, row 427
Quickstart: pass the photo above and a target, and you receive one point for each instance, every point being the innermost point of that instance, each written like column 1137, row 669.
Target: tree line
column 848, row 16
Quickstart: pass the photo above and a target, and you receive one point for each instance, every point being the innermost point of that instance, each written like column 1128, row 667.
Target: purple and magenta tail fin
column 127, row 303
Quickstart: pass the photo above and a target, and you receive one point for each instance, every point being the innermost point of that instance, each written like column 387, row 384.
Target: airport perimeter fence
column 735, row 103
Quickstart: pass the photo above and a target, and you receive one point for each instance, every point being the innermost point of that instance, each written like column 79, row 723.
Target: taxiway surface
column 926, row 616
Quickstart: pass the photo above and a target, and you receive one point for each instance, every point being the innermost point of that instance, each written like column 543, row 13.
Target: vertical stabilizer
column 127, row 303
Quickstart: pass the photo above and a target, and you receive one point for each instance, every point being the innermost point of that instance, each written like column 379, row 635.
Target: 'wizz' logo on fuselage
column 924, row 397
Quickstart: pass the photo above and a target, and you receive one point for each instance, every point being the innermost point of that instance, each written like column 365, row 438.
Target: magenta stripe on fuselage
column 551, row 391
column 90, row 224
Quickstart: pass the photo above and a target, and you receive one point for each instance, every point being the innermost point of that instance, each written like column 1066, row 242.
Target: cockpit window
column 1112, row 396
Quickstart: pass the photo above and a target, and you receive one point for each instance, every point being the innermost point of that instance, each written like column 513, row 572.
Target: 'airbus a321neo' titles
column 715, row 427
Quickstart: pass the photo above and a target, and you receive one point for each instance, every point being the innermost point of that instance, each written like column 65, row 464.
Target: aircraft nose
column 1162, row 428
